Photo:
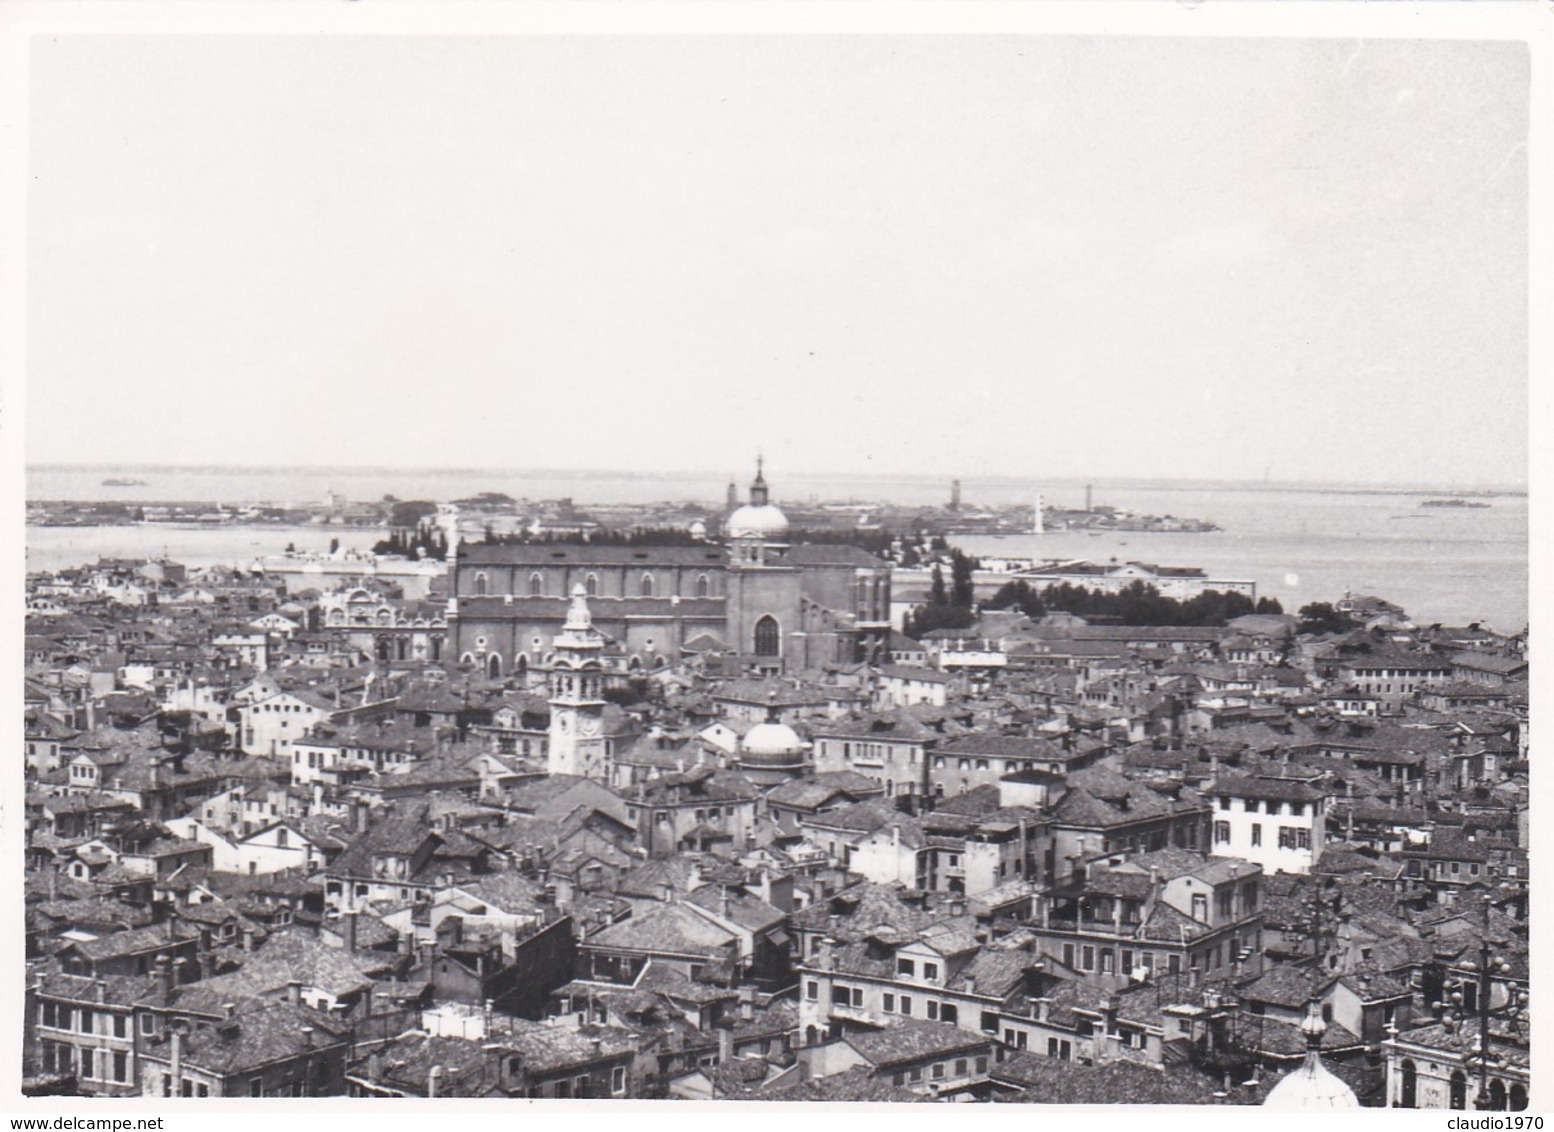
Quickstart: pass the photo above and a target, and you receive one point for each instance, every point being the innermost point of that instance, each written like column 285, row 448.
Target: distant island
column 1452, row 503
column 123, row 483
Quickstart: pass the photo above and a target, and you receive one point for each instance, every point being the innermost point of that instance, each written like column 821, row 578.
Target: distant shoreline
column 969, row 482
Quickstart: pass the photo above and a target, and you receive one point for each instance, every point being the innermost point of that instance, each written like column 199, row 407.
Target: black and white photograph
column 898, row 554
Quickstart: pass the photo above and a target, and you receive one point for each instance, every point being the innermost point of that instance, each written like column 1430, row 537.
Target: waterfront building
column 1182, row 583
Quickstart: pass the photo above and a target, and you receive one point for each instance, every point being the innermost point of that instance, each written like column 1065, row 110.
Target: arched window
column 494, row 666
column 1459, row 1090
column 767, row 637
column 521, row 665
column 1410, row 1089
column 647, row 585
column 591, row 585
column 482, row 585
column 703, row 586
column 1497, row 1095
column 1518, row 1097
column 536, row 584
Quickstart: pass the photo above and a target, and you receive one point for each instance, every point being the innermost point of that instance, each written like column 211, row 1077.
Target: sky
column 1015, row 255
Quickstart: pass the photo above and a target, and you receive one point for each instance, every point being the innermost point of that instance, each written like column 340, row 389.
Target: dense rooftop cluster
column 1039, row 861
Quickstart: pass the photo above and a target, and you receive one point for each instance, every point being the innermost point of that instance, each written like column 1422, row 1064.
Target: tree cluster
column 949, row 607
column 409, row 513
column 875, row 542
column 425, row 538
column 1323, row 617
column 1138, row 604
column 639, row 536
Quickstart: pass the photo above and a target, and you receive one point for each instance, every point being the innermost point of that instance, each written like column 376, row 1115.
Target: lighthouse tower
column 576, row 741
column 1040, row 526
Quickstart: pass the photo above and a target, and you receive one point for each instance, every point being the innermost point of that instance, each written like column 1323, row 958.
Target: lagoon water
column 1300, row 543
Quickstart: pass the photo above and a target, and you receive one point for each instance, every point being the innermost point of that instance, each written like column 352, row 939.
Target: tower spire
column 759, row 497
column 579, row 619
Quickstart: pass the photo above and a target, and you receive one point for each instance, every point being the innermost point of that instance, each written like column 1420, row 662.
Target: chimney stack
column 164, row 974
column 175, row 1058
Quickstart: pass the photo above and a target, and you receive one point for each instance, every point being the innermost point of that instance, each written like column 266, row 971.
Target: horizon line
column 601, row 472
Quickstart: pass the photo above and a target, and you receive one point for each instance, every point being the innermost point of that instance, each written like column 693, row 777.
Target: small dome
column 771, row 742
column 1311, row 1088
column 758, row 520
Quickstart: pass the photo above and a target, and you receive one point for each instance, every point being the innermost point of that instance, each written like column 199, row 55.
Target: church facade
column 779, row 606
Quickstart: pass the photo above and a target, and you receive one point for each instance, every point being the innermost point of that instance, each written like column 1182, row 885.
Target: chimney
column 175, row 1057
column 349, row 929
column 825, row 958
column 747, row 1003
column 723, row 900
column 164, row 975
column 433, row 1080
column 725, row 1045
column 307, row 1037
column 294, row 992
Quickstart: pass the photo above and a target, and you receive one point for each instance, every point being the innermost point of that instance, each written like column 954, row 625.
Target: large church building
column 780, row 606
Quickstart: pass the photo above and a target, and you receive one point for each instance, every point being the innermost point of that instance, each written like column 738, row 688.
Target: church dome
column 760, row 518
column 771, row 742
column 1313, row 1087
column 757, row 521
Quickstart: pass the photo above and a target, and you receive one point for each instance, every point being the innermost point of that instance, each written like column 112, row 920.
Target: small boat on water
column 1453, row 503
column 115, row 482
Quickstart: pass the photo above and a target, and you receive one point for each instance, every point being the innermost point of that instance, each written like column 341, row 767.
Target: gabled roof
column 670, row 929
column 912, row 1040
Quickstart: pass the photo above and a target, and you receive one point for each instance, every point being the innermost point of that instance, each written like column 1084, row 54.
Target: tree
column 1017, row 595
column 963, row 592
column 937, row 595
column 409, row 513
column 927, row 618
column 1322, row 617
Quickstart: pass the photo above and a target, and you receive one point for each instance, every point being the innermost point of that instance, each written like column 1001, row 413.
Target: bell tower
column 576, row 743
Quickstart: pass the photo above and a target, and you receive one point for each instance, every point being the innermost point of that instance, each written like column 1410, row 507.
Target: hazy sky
column 1045, row 256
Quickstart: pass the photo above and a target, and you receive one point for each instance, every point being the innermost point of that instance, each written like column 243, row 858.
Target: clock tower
column 576, row 744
